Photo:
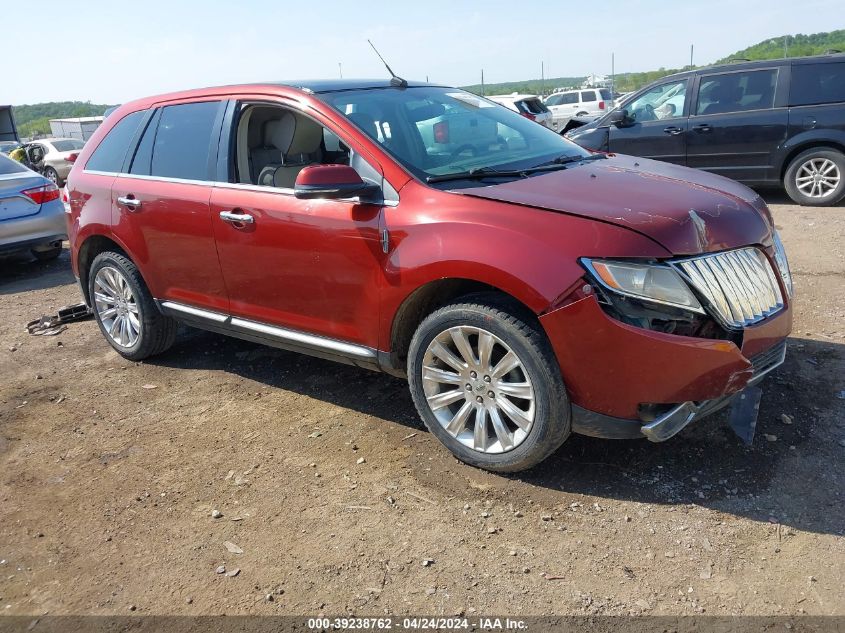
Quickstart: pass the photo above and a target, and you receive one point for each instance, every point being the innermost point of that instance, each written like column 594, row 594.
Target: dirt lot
column 110, row 470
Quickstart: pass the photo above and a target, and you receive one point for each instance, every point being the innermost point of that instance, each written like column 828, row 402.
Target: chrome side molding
column 285, row 338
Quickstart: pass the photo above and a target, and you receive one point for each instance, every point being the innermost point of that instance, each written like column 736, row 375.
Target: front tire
column 125, row 310
column 486, row 383
column 816, row 177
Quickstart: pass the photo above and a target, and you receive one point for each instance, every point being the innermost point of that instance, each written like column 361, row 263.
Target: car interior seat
column 290, row 143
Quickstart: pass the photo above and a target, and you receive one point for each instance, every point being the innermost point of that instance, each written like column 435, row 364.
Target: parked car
column 526, row 292
column 529, row 106
column 7, row 146
column 54, row 156
column 32, row 216
column 766, row 123
column 578, row 103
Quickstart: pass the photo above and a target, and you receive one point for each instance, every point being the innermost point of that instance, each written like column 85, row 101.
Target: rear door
column 737, row 124
column 658, row 124
column 161, row 204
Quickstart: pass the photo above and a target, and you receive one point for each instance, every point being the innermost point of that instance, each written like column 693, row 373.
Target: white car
column 54, row 156
column 578, row 103
column 529, row 106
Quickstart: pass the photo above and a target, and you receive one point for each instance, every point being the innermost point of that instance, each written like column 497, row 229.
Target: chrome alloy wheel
column 116, row 306
column 817, row 177
column 478, row 389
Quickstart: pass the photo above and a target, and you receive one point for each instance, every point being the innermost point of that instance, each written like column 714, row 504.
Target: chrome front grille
column 741, row 286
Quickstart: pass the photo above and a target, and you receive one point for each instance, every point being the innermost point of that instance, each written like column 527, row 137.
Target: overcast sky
column 108, row 52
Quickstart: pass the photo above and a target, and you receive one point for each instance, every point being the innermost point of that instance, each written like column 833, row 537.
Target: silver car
column 54, row 156
column 32, row 214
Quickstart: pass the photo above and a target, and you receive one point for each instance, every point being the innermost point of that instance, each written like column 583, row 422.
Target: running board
column 273, row 335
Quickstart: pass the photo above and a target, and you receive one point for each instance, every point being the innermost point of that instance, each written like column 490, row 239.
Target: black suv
column 762, row 123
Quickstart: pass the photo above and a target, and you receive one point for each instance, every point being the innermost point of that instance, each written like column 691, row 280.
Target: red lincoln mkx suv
column 526, row 287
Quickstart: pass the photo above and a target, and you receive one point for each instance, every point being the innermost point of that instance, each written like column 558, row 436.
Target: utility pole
column 542, row 79
column 340, row 69
column 691, row 49
column 482, row 82
column 612, row 75
column 785, row 46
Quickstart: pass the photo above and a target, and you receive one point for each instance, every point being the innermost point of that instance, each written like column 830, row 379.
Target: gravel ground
column 331, row 498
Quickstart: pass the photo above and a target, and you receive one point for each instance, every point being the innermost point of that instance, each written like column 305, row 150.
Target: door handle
column 673, row 130
column 702, row 127
column 130, row 202
column 236, row 218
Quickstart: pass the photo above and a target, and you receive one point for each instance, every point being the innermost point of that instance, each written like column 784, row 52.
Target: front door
column 312, row 266
column 735, row 128
column 657, row 125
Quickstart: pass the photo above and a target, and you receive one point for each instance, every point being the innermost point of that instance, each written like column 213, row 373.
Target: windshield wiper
column 478, row 174
column 574, row 158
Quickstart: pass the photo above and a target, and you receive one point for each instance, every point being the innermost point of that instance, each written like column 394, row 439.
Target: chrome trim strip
column 217, row 317
column 301, row 338
column 284, row 335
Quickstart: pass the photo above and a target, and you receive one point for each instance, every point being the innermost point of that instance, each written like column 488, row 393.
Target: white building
column 79, row 127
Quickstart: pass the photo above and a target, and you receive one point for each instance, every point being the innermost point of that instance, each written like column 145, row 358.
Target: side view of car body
column 54, row 156
column 527, row 290
column 578, row 103
column 32, row 216
column 529, row 106
column 767, row 123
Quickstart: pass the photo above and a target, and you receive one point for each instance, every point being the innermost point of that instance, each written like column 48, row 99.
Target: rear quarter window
column 588, row 95
column 814, row 84
column 111, row 151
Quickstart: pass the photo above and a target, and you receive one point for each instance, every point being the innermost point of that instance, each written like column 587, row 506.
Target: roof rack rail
column 738, row 60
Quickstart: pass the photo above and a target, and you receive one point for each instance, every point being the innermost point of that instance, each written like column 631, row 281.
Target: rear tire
column 125, row 310
column 502, row 421
column 52, row 175
column 816, row 177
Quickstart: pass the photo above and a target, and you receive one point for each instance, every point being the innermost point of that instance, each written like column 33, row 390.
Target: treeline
column 796, row 46
column 35, row 119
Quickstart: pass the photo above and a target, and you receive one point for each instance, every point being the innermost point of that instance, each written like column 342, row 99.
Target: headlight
column 783, row 264
column 659, row 284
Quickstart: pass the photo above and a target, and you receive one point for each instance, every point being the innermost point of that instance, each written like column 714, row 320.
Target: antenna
column 395, row 80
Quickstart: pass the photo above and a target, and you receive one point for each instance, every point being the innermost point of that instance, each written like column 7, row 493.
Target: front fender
column 528, row 253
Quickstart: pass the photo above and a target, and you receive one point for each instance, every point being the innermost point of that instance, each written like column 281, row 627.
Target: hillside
column 797, row 46
column 35, row 118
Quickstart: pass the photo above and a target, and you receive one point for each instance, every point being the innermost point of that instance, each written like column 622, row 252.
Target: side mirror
column 620, row 117
column 331, row 182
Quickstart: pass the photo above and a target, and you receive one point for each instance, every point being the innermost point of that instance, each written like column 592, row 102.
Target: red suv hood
column 687, row 211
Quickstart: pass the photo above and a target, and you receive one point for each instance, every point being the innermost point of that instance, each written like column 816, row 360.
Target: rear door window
column 817, row 83
column 736, row 92
column 183, row 141
column 111, row 152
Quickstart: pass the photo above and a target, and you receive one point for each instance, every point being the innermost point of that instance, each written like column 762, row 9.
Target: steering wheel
column 464, row 148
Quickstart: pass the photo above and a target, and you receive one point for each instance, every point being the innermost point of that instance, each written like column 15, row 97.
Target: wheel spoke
column 438, row 349
column 445, row 399
column 508, row 362
column 479, row 436
column 516, row 389
column 441, row 376
column 485, row 350
column 501, row 430
column 459, row 338
column 459, row 420
column 108, row 314
column 514, row 413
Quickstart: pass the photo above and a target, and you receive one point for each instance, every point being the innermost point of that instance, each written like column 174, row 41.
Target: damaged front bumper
column 626, row 382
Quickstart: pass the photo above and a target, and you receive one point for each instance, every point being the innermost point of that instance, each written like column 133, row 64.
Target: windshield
column 67, row 145
column 438, row 131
